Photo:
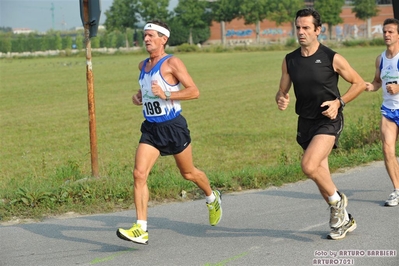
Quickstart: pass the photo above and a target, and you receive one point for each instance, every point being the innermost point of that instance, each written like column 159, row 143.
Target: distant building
column 100, row 27
column 22, row 31
column 236, row 32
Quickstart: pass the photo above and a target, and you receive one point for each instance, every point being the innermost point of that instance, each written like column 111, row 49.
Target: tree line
column 56, row 40
column 192, row 17
column 189, row 21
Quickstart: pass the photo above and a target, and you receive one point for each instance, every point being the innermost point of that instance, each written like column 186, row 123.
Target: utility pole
column 90, row 14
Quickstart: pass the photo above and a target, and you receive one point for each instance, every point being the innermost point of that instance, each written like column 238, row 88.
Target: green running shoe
column 134, row 234
column 215, row 208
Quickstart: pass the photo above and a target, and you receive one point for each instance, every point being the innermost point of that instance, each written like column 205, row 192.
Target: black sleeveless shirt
column 314, row 80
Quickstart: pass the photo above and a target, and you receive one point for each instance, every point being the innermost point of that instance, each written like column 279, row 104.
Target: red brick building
column 351, row 28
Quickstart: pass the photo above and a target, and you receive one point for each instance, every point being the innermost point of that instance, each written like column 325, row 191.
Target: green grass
column 240, row 138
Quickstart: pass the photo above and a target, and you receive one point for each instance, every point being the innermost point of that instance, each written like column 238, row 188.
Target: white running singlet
column 389, row 73
column 155, row 109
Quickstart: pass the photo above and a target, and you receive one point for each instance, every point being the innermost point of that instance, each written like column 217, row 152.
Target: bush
column 351, row 43
column 291, row 43
column 365, row 132
column 377, row 42
column 185, row 47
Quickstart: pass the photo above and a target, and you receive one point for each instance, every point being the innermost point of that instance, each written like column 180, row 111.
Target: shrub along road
column 275, row 226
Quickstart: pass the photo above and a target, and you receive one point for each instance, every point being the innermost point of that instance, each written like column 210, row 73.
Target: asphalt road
column 276, row 226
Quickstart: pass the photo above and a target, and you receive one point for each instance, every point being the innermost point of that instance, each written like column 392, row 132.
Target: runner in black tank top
column 313, row 70
column 312, row 89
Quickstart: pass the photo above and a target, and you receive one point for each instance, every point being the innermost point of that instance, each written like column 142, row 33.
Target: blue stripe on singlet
column 397, row 64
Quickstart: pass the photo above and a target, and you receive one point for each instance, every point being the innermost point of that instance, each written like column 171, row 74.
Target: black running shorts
column 308, row 128
column 170, row 137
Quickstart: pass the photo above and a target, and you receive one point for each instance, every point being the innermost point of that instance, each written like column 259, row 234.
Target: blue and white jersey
column 389, row 73
column 155, row 109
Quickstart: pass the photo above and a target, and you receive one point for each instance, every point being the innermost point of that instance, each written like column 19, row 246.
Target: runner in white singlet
column 387, row 76
column 156, row 109
column 164, row 82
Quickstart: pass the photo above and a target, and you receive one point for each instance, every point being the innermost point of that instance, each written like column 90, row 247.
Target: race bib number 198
column 153, row 109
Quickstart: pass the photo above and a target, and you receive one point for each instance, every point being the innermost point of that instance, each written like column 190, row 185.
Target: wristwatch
column 342, row 102
column 167, row 94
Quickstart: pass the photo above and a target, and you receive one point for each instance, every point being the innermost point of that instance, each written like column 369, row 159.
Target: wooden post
column 90, row 92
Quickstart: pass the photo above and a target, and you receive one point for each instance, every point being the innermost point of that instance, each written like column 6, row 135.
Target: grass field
column 236, row 128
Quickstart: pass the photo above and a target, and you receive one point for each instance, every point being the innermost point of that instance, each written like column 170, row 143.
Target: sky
column 43, row 15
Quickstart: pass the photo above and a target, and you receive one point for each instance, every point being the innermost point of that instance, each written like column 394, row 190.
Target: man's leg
column 146, row 156
column 389, row 134
column 315, row 164
column 184, row 161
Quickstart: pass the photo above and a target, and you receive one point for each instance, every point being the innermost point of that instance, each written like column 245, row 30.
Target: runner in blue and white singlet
column 389, row 68
column 164, row 82
column 386, row 76
column 155, row 109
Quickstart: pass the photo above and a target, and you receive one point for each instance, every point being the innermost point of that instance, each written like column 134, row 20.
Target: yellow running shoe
column 134, row 234
column 215, row 208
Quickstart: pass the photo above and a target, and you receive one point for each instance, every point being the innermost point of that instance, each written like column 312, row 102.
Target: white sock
column 210, row 198
column 143, row 224
column 334, row 198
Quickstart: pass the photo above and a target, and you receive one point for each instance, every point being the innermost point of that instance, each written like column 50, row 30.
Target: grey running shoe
column 337, row 211
column 340, row 232
column 393, row 199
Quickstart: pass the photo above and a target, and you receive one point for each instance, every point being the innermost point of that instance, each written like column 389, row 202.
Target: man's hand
column 369, row 86
column 282, row 101
column 392, row 88
column 332, row 110
column 157, row 90
column 137, row 98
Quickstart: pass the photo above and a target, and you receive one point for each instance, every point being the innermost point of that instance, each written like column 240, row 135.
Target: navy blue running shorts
column 308, row 128
column 169, row 137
